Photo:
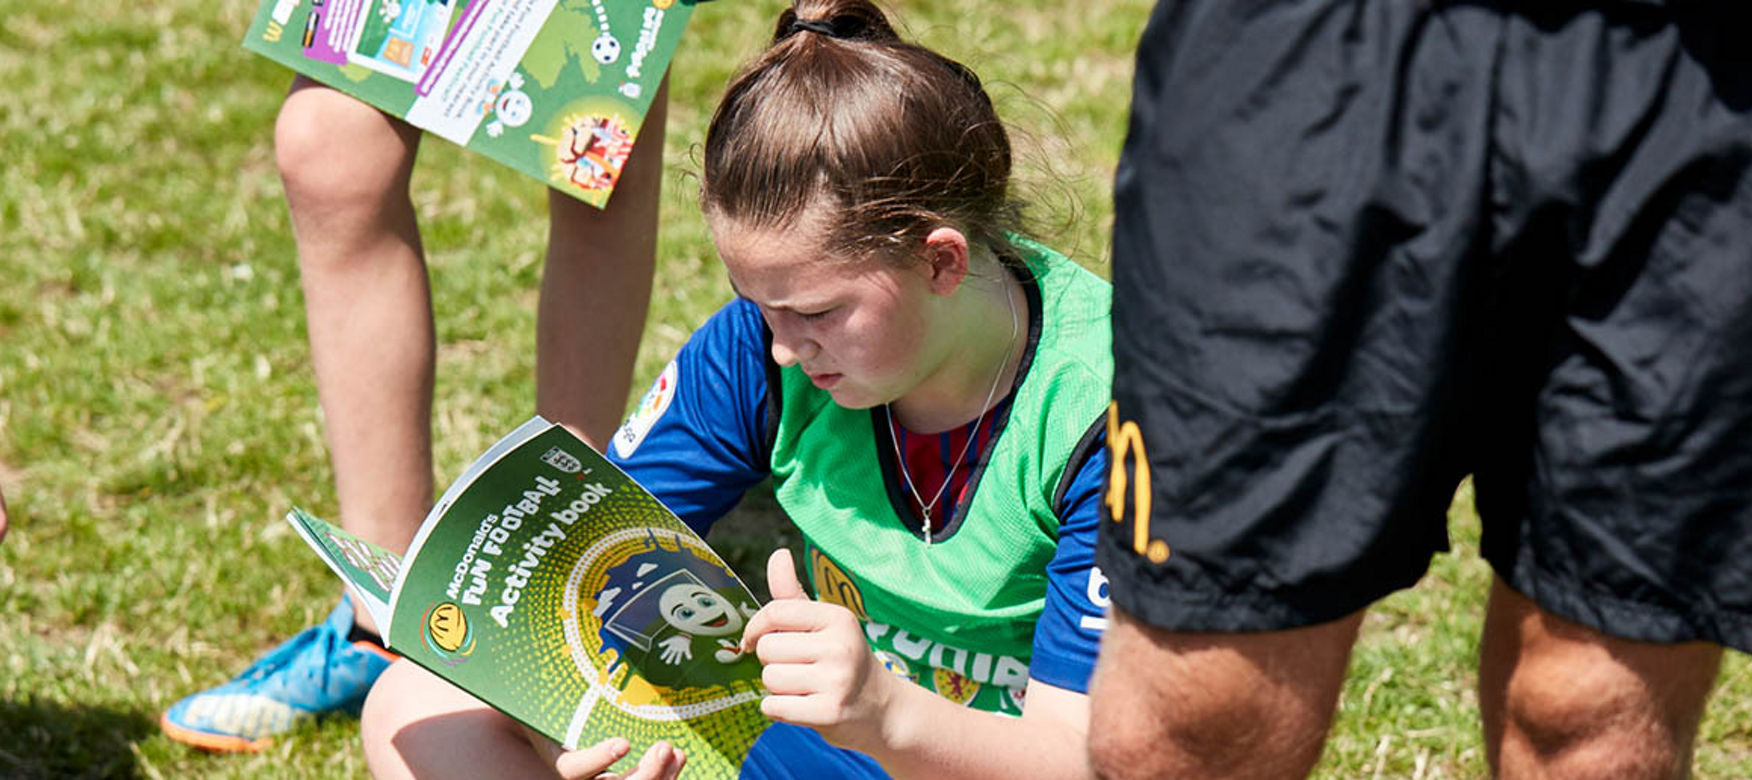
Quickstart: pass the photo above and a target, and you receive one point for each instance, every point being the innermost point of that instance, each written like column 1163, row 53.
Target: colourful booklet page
column 368, row 570
column 556, row 89
column 550, row 585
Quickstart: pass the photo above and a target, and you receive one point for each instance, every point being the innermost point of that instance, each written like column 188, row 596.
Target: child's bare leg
column 595, row 290
column 345, row 167
column 417, row 725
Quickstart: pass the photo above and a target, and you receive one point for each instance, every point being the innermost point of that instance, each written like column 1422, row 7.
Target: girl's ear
column 946, row 259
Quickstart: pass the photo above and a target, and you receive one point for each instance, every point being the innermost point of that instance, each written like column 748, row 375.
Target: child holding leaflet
column 346, row 168
column 927, row 391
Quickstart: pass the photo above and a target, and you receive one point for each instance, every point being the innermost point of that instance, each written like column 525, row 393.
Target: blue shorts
column 786, row 752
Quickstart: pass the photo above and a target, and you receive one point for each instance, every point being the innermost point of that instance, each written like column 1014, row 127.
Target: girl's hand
column 661, row 762
column 819, row 672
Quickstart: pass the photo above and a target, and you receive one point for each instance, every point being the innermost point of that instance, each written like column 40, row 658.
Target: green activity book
column 556, row 89
column 550, row 585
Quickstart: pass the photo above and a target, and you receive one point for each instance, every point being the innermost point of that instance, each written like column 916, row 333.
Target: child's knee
column 378, row 723
column 332, row 149
column 388, row 708
column 417, row 725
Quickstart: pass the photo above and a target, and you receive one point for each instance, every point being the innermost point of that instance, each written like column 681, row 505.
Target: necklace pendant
column 927, row 518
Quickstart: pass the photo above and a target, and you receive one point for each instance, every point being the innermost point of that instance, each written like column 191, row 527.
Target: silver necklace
column 894, row 437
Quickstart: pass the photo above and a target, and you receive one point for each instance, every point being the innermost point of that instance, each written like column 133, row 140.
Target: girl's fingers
column 675, row 765
column 788, row 647
column 662, row 762
column 809, row 710
column 789, row 615
column 792, row 679
column 591, row 761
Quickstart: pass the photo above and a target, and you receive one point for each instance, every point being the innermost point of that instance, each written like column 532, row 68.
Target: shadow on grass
column 41, row 739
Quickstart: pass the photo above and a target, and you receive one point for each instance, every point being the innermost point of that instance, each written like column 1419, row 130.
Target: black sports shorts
column 1367, row 247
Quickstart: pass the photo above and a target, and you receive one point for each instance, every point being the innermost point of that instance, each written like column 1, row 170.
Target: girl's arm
column 930, row 736
column 820, row 673
column 696, row 438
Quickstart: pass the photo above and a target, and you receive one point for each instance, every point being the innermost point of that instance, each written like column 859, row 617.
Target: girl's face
column 860, row 328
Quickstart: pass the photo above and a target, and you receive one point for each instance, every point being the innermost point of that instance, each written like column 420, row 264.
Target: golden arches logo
column 833, row 586
column 447, row 627
column 1126, row 440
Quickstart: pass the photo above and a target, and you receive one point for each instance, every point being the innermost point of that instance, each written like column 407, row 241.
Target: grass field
column 157, row 413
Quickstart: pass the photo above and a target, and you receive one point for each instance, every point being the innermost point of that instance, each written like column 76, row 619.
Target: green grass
column 157, row 415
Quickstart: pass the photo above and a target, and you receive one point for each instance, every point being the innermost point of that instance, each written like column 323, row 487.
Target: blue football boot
column 315, row 673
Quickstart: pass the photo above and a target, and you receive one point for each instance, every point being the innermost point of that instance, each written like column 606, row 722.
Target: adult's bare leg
column 1203, row 705
column 596, row 289
column 1561, row 700
column 345, row 167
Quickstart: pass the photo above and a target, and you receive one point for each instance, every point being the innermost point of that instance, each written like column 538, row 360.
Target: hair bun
column 850, row 20
column 841, row 27
column 884, row 139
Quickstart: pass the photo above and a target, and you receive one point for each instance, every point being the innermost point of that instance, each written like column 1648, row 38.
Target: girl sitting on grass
column 927, row 392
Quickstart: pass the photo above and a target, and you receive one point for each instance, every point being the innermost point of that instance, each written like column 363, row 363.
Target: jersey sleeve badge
column 651, row 408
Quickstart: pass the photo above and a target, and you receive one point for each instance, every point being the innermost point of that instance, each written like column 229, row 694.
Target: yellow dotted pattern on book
column 719, row 719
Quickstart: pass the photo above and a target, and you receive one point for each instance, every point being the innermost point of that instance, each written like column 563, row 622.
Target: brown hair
column 894, row 138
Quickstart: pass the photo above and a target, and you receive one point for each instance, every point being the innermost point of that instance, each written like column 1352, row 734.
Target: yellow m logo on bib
column 833, row 586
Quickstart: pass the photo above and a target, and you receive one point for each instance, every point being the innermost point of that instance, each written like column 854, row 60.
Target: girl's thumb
column 782, row 579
